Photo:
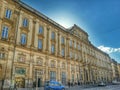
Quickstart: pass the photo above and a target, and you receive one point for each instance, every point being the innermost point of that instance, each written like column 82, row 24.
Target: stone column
column 33, row 33
column 46, row 68
column 58, row 47
column 47, row 39
column 67, row 47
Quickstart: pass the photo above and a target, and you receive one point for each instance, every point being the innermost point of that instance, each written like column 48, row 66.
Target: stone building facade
column 115, row 70
column 34, row 48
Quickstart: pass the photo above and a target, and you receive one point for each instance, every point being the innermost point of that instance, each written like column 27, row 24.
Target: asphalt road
column 110, row 87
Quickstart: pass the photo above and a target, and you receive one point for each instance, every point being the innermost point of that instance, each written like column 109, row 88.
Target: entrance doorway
column 39, row 82
column 20, row 82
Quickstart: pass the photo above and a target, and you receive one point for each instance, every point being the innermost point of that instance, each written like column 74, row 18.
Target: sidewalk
column 76, row 87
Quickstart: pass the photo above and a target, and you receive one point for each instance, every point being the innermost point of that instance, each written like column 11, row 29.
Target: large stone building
column 115, row 70
column 118, row 71
column 34, row 48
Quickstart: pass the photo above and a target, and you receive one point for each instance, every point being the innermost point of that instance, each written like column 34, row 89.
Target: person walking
column 15, row 88
column 69, row 84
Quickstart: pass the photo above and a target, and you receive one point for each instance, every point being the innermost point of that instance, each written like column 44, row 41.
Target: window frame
column 52, row 48
column 23, row 40
column 53, row 35
column 70, row 43
column 40, row 45
column 41, row 30
column 62, row 40
column 5, row 32
column 8, row 13
column 25, row 22
column 63, row 52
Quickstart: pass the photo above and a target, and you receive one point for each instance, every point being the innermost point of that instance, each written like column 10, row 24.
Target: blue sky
column 99, row 18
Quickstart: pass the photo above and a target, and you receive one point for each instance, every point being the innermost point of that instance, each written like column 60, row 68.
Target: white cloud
column 109, row 49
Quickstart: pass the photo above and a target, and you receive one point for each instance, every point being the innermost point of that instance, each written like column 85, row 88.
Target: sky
column 99, row 18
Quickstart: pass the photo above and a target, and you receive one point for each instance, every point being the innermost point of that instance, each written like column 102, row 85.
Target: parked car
column 53, row 85
column 115, row 82
column 101, row 84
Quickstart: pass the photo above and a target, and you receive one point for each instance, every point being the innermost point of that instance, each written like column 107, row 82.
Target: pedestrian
column 15, row 88
column 69, row 84
column 79, row 83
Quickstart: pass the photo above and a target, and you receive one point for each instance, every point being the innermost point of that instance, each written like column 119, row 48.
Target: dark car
column 53, row 85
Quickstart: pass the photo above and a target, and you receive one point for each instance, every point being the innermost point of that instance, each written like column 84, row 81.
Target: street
column 110, row 87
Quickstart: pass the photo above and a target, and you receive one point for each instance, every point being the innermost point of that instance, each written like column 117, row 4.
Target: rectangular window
column 53, row 48
column 20, row 71
column 2, row 55
column 70, row 43
column 53, row 35
column 78, row 47
column 8, row 13
column 74, row 44
column 5, row 32
column 25, row 22
column 52, row 75
column 70, row 54
column 40, row 30
column 23, row 39
column 75, row 56
column 40, row 44
column 63, row 78
column 63, row 52
column 62, row 40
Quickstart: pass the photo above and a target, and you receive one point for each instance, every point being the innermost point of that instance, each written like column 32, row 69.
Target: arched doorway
column 20, row 82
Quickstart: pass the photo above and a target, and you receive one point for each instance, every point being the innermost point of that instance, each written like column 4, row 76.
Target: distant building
column 115, row 70
column 118, row 71
column 34, row 48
